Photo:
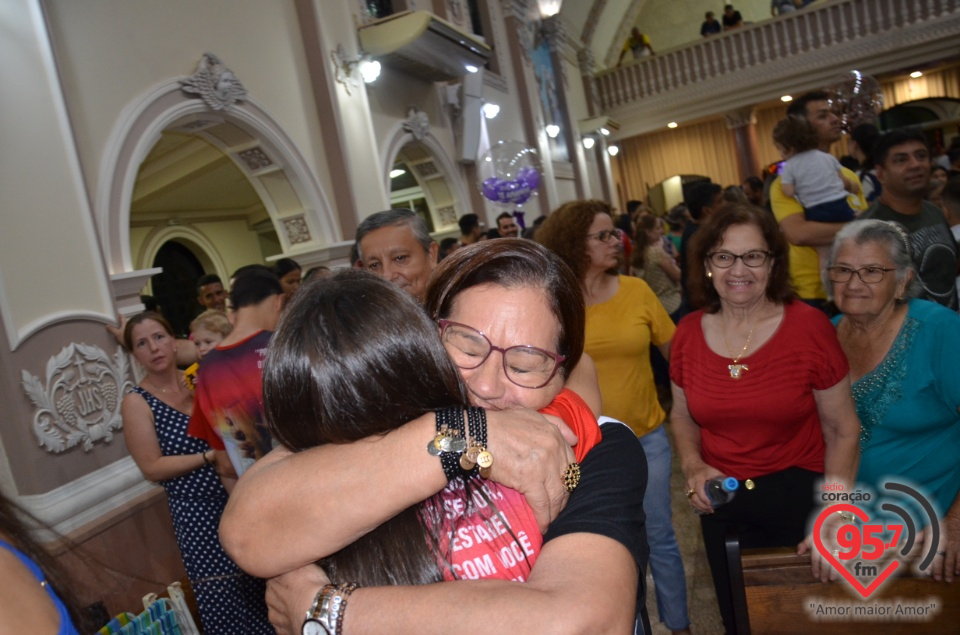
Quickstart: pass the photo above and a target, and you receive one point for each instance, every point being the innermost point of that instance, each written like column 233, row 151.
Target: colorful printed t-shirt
column 228, row 402
column 504, row 542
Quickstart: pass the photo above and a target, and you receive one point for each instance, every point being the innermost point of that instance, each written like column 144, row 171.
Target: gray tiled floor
column 701, row 599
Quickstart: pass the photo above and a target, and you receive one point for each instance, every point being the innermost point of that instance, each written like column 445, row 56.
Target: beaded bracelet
column 449, row 443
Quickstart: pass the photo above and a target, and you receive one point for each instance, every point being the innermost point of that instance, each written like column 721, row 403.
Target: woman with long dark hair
column 354, row 357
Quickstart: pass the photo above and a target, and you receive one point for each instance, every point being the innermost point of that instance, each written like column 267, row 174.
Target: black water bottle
column 721, row 490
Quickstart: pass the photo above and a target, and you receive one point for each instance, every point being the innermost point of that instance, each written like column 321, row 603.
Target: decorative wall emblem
column 216, row 84
column 255, row 159
column 417, row 123
column 448, row 215
column 80, row 403
column 297, row 230
column 427, row 169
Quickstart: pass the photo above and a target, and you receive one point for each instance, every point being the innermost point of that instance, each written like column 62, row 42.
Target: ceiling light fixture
column 916, row 74
column 613, row 150
column 786, row 98
column 672, row 124
column 398, row 172
column 588, row 142
column 552, row 130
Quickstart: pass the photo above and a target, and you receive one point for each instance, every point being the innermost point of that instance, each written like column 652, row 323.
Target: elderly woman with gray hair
column 904, row 359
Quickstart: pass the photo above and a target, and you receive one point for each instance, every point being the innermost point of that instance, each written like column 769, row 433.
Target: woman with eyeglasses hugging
column 904, row 359
column 624, row 317
column 760, row 394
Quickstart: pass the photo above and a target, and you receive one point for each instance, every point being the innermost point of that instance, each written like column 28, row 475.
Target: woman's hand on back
column 530, row 456
column 290, row 595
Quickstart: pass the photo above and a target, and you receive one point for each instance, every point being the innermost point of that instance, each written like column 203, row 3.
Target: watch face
column 313, row 627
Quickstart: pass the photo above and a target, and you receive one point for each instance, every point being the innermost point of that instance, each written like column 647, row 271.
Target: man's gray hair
column 887, row 233
column 395, row 218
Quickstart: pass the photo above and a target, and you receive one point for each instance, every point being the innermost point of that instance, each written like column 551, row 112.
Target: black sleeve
column 609, row 499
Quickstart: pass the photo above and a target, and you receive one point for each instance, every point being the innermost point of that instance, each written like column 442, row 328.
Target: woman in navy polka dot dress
column 155, row 420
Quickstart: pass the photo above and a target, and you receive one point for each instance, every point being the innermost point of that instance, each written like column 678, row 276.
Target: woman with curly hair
column 624, row 317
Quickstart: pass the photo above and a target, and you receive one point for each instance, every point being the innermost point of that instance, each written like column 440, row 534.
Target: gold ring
column 691, row 492
column 571, row 477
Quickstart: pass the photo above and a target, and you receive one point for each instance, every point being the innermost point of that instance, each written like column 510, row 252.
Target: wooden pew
column 773, row 590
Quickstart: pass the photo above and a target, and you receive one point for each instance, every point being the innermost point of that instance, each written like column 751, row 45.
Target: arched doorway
column 189, row 192
column 296, row 209
column 421, row 177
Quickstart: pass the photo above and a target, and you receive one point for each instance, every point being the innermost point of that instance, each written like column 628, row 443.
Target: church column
column 586, row 62
column 553, row 31
column 520, row 21
column 742, row 125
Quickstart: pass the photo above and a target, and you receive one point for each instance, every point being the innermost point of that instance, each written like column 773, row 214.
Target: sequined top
column 908, row 407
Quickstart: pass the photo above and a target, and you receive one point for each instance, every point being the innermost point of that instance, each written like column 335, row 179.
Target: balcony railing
column 821, row 27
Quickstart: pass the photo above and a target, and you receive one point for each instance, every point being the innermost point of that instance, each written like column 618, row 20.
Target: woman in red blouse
column 760, row 392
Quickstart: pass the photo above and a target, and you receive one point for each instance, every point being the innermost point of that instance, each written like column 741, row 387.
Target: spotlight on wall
column 786, row 98
column 672, row 124
column 588, row 142
column 369, row 70
column 916, row 74
column 552, row 130
column 549, row 8
column 613, row 150
column 490, row 110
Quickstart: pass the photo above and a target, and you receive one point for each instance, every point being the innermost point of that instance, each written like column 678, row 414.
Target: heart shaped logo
column 865, row 591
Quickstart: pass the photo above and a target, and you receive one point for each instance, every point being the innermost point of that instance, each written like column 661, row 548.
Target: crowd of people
column 490, row 430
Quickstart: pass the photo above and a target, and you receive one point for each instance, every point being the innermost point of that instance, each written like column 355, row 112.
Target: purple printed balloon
column 490, row 187
column 515, row 170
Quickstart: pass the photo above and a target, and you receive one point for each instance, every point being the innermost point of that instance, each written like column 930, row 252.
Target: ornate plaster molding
column 417, row 123
column 216, row 84
column 80, row 402
column 297, row 230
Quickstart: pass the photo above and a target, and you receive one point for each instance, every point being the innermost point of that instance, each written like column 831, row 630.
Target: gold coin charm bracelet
column 462, row 449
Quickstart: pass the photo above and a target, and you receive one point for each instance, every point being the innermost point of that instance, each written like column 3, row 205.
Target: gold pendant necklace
column 164, row 390
column 736, row 368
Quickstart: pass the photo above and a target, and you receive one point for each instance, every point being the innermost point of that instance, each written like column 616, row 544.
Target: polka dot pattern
column 230, row 601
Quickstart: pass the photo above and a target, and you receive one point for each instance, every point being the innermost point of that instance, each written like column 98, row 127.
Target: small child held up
column 813, row 177
column 206, row 331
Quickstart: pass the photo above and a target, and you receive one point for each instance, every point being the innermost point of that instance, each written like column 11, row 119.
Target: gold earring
column 709, row 274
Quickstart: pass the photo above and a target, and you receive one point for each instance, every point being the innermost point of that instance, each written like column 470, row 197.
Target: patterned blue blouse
column 908, row 407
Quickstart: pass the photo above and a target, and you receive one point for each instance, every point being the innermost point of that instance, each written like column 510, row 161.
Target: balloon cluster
column 858, row 100
column 516, row 173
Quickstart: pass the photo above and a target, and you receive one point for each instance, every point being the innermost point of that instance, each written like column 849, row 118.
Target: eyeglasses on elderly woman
column 867, row 275
column 725, row 259
column 525, row 366
column 605, row 235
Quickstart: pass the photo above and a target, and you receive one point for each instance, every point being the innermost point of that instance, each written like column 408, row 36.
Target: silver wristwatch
column 325, row 616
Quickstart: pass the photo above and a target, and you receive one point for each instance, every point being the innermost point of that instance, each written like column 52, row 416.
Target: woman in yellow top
column 623, row 318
